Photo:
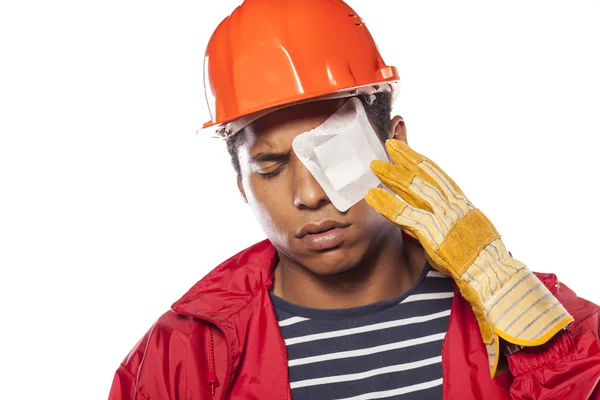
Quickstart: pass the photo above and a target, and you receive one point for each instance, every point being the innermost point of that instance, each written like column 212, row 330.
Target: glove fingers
column 398, row 179
column 400, row 153
column 441, row 176
column 429, row 228
column 399, row 150
column 447, row 212
column 385, row 203
column 419, row 223
column 403, row 155
column 450, row 189
column 417, row 192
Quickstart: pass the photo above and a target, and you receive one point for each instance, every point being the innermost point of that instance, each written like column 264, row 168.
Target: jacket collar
column 228, row 288
column 234, row 283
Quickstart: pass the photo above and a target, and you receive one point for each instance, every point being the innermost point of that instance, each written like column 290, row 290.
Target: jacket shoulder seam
column 592, row 314
column 128, row 371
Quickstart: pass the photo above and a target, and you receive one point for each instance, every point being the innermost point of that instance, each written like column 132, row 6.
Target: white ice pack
column 338, row 153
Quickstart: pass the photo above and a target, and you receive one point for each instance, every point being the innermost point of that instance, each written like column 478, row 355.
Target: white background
column 111, row 206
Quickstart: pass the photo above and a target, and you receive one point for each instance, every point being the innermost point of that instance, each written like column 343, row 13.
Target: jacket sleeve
column 123, row 386
column 567, row 367
column 125, row 380
column 170, row 362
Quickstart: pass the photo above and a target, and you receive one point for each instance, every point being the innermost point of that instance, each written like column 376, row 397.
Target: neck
column 391, row 267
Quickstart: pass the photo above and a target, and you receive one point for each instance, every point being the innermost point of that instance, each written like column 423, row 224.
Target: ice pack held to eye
column 338, row 154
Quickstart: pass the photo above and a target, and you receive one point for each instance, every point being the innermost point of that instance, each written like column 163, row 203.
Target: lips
column 324, row 235
column 324, row 226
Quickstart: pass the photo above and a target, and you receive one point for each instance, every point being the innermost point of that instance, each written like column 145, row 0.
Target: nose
column 308, row 194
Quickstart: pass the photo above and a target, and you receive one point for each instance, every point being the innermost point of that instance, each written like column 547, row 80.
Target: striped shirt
column 386, row 350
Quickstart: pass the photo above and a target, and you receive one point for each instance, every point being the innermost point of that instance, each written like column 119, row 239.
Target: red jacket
column 221, row 340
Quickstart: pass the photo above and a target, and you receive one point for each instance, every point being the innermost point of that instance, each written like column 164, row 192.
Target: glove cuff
column 524, row 312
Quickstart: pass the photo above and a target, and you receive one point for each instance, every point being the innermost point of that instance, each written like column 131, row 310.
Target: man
column 362, row 290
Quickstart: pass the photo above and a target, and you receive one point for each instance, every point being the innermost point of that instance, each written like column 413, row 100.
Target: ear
column 398, row 129
column 242, row 192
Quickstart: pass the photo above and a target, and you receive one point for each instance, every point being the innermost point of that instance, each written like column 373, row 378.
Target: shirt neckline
column 343, row 313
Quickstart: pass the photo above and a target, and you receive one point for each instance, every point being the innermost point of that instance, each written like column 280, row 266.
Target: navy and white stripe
column 389, row 349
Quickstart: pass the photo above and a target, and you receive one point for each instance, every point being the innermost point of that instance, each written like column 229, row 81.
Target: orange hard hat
column 273, row 53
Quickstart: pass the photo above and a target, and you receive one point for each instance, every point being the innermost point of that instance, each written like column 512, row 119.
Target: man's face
column 292, row 208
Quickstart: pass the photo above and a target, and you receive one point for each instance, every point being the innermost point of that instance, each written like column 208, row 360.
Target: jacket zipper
column 227, row 369
column 213, row 381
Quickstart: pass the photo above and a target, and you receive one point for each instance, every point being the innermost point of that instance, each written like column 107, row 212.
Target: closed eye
column 278, row 161
column 270, row 172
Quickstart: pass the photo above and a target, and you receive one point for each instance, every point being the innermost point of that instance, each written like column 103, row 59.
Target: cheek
column 269, row 204
column 367, row 219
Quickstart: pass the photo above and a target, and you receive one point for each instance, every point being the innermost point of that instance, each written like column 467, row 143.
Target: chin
column 332, row 261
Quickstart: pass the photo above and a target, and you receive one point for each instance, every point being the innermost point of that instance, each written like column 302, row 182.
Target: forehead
column 282, row 126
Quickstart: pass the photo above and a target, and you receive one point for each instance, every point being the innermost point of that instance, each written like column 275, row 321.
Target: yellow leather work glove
column 507, row 298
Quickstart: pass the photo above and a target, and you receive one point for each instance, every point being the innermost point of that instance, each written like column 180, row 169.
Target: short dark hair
column 379, row 113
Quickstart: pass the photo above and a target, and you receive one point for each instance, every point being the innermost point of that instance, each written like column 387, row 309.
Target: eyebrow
column 262, row 157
